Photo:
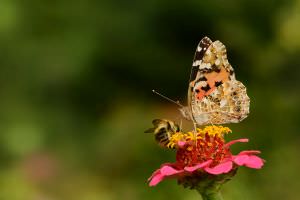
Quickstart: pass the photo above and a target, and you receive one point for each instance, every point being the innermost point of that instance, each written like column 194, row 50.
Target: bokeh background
column 75, row 94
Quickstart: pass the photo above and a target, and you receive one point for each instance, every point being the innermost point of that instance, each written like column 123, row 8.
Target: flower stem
column 210, row 190
column 211, row 195
column 209, row 187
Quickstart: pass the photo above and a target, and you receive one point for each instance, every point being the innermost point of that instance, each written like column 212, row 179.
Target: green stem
column 209, row 188
column 211, row 195
column 207, row 185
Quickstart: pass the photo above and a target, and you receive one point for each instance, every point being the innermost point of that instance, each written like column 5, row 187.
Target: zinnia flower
column 204, row 158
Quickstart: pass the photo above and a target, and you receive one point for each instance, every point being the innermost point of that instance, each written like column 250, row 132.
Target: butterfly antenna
column 167, row 98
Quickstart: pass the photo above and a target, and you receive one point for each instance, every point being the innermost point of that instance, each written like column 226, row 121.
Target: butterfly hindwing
column 228, row 103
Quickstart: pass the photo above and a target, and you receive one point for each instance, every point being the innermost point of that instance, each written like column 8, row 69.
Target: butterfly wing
column 212, row 87
column 228, row 103
column 200, row 51
column 195, row 74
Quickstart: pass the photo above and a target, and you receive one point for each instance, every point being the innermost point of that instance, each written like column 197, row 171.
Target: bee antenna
column 167, row 98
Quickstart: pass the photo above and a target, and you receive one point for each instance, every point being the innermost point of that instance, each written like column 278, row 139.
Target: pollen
column 204, row 144
column 217, row 131
column 189, row 148
column 200, row 135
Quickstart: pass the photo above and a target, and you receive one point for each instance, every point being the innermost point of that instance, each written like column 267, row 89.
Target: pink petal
column 154, row 174
column 198, row 166
column 255, row 162
column 158, row 170
column 241, row 159
column 235, row 141
column 221, row 168
column 160, row 174
column 251, row 161
column 156, row 179
column 249, row 152
column 169, row 171
column 181, row 144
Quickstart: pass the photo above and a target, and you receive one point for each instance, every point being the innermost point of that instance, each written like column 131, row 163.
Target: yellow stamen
column 212, row 131
column 190, row 148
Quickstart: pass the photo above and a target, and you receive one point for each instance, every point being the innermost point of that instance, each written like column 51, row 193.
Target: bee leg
column 180, row 125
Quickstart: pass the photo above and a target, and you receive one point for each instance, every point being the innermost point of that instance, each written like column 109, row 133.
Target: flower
column 203, row 154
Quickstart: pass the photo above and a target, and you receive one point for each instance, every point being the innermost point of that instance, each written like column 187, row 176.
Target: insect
column 163, row 129
column 214, row 94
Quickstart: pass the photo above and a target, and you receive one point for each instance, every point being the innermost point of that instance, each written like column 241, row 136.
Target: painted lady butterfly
column 214, row 95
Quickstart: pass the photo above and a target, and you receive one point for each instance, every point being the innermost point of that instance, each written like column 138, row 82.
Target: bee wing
column 150, row 130
column 156, row 122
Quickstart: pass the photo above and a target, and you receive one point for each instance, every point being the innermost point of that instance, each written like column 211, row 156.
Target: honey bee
column 163, row 129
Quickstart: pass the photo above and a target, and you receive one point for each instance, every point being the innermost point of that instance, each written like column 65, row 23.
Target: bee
column 163, row 130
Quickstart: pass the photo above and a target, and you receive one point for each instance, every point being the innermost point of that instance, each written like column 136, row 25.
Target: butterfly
column 214, row 94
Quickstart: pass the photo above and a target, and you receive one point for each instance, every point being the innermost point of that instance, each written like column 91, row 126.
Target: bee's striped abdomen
column 163, row 130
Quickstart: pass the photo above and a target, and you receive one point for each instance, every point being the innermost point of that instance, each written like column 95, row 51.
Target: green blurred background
column 75, row 94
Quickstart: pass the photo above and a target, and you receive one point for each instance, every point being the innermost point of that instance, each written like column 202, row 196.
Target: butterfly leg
column 210, row 121
column 180, row 126
column 195, row 132
column 195, row 127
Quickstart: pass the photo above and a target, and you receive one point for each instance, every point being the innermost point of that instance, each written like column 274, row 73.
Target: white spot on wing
column 197, row 63
column 205, row 65
column 205, row 100
column 200, row 84
column 223, row 102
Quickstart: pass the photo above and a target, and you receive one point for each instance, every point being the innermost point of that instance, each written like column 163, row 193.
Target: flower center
column 206, row 144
